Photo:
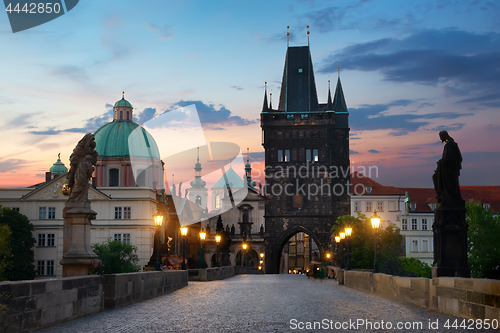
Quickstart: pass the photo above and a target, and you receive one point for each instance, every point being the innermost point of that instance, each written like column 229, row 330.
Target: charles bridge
column 223, row 300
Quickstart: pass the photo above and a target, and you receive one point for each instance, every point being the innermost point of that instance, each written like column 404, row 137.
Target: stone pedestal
column 450, row 241
column 78, row 257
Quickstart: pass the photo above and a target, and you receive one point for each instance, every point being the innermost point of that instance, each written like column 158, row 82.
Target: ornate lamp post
column 158, row 218
column 201, row 253
column 217, row 240
column 244, row 246
column 348, row 233
column 375, row 225
column 184, row 232
column 337, row 241
column 342, row 244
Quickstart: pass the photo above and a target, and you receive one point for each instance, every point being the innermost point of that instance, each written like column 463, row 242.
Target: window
column 380, row 206
column 432, row 206
column 290, row 116
column 300, row 70
column 486, row 206
column 287, row 155
column 280, row 155
column 118, row 213
column 368, row 206
column 51, row 239
column 357, row 206
column 41, row 239
column 198, row 200
column 126, row 213
column 217, row 201
column 368, row 190
column 308, row 155
column 414, row 246
column 413, row 205
column 128, row 115
column 50, row 267
column 42, row 213
column 40, row 267
column 424, row 224
column 121, row 115
column 126, row 239
column 117, row 237
column 113, row 177
column 425, row 245
column 304, row 116
column 414, row 224
column 16, row 209
column 315, row 155
column 404, row 224
column 52, row 213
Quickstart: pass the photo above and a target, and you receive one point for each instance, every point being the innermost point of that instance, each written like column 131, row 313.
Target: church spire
column 264, row 106
column 271, row 100
column 329, row 105
column 339, row 104
column 248, row 171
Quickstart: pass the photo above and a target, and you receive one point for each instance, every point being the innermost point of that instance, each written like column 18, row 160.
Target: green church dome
column 58, row 168
column 123, row 102
column 112, row 141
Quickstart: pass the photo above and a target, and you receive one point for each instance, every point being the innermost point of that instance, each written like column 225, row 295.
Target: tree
column 415, row 267
column 482, row 241
column 362, row 244
column 117, row 257
column 21, row 245
column 5, row 253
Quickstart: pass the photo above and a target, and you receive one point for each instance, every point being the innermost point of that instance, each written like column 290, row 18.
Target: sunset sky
column 408, row 68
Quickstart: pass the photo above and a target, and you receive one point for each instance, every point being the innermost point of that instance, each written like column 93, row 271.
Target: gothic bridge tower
column 304, row 142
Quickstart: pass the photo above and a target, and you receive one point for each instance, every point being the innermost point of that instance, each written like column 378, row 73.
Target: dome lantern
column 122, row 110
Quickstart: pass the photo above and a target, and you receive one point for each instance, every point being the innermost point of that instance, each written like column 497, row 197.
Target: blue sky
column 408, row 69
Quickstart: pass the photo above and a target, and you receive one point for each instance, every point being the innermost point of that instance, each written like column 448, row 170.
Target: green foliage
column 363, row 244
column 483, row 242
column 21, row 245
column 5, row 252
column 415, row 267
column 117, row 257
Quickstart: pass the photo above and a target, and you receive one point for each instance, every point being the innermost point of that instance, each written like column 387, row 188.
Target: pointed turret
column 329, row 105
column 339, row 104
column 264, row 105
column 271, row 100
column 198, row 191
column 248, row 172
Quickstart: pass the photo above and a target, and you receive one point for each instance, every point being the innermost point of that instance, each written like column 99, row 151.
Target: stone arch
column 273, row 257
column 250, row 258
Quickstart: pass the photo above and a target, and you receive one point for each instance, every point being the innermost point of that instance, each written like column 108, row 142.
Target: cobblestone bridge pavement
column 260, row 303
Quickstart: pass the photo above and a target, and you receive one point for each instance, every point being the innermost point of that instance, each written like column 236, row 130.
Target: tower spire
column 264, row 105
column 307, row 35
column 123, row 94
column 339, row 104
column 287, row 36
column 271, row 100
column 329, row 105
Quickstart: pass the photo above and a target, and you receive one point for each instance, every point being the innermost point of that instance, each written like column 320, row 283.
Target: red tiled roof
column 358, row 178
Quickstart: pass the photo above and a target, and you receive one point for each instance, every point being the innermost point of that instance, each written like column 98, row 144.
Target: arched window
column 113, row 177
column 128, row 115
column 245, row 216
column 217, row 201
column 198, row 200
column 121, row 115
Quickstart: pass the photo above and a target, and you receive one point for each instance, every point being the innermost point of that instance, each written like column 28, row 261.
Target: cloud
column 21, row 120
column 377, row 117
column 255, row 155
column 11, row 164
column 237, row 87
column 453, row 127
column 352, row 152
column 49, row 131
column 73, row 72
column 145, row 115
column 461, row 61
column 164, row 32
column 215, row 118
column 373, row 151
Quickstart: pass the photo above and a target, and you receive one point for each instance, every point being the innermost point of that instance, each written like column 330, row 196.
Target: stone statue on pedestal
column 78, row 257
column 450, row 227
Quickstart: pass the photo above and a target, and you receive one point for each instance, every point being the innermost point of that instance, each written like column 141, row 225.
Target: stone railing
column 211, row 274
column 128, row 288
column 28, row 305
column 466, row 298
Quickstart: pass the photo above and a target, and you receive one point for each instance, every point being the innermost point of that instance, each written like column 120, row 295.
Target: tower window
column 315, row 155
column 280, row 155
column 308, row 155
column 198, row 200
column 290, row 116
column 287, row 155
column 121, row 115
column 128, row 115
column 300, row 70
column 113, row 177
column 304, row 116
column 217, row 201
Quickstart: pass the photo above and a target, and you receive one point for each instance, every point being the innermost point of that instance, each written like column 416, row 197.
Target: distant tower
column 248, row 173
column 198, row 193
column 58, row 168
column 306, row 136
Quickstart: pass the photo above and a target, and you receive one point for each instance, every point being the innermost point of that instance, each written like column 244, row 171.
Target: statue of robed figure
column 450, row 226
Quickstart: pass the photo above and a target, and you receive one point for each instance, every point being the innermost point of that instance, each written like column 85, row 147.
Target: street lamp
column 337, row 241
column 217, row 240
column 348, row 233
column 158, row 218
column 342, row 245
column 243, row 253
column 375, row 225
column 201, row 253
column 184, row 232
